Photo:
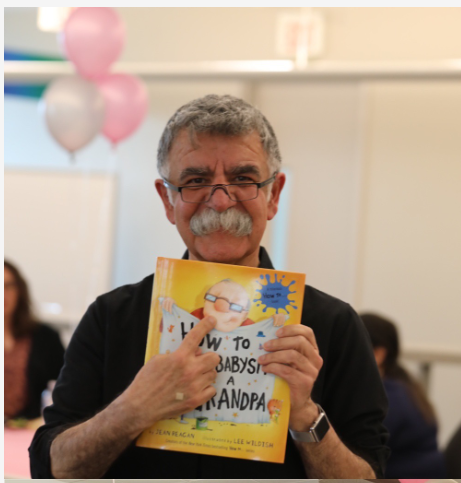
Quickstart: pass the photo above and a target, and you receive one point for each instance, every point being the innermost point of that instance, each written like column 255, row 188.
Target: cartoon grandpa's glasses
column 224, row 305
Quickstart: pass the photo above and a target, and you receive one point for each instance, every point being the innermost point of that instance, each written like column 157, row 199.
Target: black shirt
column 45, row 361
column 108, row 348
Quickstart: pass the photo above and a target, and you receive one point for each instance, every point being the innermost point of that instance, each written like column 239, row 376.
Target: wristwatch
column 316, row 432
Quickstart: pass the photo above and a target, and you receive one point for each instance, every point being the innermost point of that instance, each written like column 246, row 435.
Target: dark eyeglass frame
column 234, row 307
column 214, row 187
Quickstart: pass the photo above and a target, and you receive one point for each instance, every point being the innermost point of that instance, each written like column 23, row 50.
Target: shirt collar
column 264, row 260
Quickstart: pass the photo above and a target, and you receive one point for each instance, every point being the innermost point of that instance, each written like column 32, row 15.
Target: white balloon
column 74, row 111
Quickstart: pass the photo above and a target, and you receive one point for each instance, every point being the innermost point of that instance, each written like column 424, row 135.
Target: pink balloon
column 127, row 102
column 93, row 39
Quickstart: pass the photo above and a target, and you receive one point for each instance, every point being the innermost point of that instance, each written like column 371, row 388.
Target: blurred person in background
column 34, row 353
column 411, row 419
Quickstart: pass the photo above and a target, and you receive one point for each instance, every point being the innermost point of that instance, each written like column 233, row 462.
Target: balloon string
column 72, row 157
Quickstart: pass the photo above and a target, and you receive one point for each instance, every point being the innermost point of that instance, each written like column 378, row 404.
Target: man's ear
column 276, row 189
column 163, row 193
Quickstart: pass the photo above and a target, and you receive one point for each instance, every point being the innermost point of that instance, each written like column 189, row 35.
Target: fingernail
column 279, row 332
column 262, row 359
column 267, row 345
column 211, row 319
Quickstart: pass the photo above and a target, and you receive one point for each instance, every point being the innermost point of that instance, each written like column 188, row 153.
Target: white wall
column 375, row 168
column 409, row 266
column 411, row 259
column 59, row 226
column 217, row 33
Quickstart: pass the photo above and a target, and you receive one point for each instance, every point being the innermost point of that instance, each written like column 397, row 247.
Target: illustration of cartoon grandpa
column 229, row 303
column 244, row 391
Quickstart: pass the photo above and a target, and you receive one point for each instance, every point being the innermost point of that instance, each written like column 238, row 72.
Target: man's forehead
column 245, row 150
column 194, row 139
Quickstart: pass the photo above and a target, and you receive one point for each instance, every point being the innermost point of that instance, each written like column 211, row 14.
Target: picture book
column 248, row 417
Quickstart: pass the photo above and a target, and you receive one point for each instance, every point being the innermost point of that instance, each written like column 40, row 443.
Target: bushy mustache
column 232, row 221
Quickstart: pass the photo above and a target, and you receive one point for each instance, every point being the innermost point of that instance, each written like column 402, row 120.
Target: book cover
column 248, row 417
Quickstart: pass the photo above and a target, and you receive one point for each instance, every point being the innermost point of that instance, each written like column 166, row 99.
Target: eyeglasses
column 203, row 193
column 230, row 306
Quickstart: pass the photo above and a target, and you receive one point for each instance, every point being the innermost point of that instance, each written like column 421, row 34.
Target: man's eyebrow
column 235, row 171
column 194, row 172
column 245, row 169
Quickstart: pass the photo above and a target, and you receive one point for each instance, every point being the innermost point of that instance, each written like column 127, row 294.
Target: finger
column 211, row 376
column 204, row 390
column 298, row 329
column 295, row 343
column 209, row 361
column 206, row 395
column 199, row 398
column 193, row 339
column 295, row 379
column 291, row 358
column 199, row 383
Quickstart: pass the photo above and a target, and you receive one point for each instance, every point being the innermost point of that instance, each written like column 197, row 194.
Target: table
column 16, row 454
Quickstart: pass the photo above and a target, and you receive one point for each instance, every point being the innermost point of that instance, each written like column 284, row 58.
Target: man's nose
column 220, row 200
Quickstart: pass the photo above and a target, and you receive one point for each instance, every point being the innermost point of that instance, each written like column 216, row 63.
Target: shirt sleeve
column 77, row 395
column 353, row 396
column 56, row 354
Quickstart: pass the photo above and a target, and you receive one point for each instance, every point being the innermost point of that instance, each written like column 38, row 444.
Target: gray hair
column 225, row 115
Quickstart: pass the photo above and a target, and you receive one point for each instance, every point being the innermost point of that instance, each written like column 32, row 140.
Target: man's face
column 227, row 293
column 217, row 159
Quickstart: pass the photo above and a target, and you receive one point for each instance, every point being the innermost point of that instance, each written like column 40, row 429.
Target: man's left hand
column 294, row 356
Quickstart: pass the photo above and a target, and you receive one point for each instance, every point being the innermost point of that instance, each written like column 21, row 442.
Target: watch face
column 321, row 428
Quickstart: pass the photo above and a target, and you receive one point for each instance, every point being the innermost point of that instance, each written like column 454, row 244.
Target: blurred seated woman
column 33, row 352
column 411, row 419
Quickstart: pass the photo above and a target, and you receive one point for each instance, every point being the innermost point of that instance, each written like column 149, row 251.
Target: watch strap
column 316, row 432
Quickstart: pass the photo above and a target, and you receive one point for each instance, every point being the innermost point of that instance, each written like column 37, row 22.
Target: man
column 219, row 162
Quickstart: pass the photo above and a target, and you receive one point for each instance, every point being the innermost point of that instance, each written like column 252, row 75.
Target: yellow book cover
column 248, row 417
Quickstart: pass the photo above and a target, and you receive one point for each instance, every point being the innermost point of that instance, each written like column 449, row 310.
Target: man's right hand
column 167, row 386
column 173, row 384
